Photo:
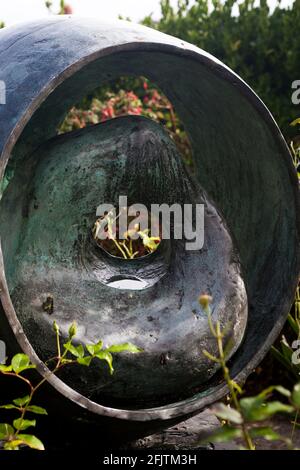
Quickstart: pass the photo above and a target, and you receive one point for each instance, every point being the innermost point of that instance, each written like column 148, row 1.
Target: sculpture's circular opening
column 126, row 283
column 134, row 96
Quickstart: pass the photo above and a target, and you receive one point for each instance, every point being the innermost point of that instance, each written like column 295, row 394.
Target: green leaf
column 278, row 388
column 98, row 346
column 37, row 410
column 12, row 445
column 6, row 430
column 295, row 122
column 65, row 361
column 90, row 349
column 9, row 406
column 80, row 350
column 226, row 412
column 71, row 348
column 293, row 324
column 21, row 401
column 22, row 424
column 296, row 395
column 274, row 407
column 280, row 358
column 287, row 351
column 251, row 406
column 224, row 434
column 284, row 391
column 254, row 408
column 21, row 362
column 125, row 347
column 4, row 368
column 31, row 441
column 76, row 351
column 106, row 356
column 84, row 361
column 265, row 432
column 94, row 348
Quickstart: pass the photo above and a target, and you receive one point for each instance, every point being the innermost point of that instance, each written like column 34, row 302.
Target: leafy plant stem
column 217, row 333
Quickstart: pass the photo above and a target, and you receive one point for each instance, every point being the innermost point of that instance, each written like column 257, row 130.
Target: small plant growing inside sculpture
column 243, row 418
column 12, row 436
column 295, row 147
column 134, row 243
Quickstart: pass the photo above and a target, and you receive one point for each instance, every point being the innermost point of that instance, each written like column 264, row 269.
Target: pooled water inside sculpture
column 50, row 252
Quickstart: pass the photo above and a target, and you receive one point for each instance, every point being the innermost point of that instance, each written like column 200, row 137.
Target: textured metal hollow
column 243, row 162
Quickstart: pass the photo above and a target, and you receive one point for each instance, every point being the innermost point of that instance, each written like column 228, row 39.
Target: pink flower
column 68, row 10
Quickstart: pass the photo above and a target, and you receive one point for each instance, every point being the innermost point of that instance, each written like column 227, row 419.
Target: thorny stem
column 217, row 333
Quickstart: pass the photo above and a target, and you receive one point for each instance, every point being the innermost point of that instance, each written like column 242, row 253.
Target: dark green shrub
column 260, row 45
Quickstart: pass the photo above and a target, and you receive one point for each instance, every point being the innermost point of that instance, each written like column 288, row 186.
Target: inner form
column 150, row 302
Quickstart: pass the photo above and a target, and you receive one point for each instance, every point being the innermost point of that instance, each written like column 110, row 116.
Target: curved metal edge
column 197, row 402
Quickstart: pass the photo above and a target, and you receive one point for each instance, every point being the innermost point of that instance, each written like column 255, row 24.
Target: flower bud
column 55, row 327
column 73, row 330
column 68, row 10
column 205, row 300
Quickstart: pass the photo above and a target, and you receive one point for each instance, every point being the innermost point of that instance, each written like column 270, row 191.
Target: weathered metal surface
column 242, row 162
column 67, row 178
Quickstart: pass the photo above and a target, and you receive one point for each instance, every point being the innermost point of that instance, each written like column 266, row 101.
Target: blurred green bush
column 260, row 45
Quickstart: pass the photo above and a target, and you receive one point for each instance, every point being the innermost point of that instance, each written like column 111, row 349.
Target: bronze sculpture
column 243, row 165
